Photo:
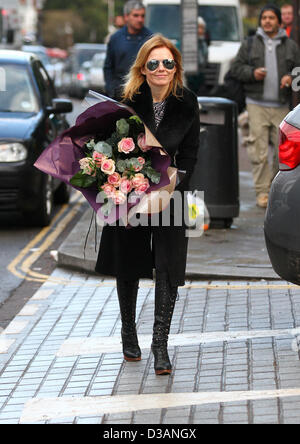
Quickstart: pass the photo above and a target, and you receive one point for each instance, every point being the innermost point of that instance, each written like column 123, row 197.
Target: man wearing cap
column 266, row 75
column 123, row 47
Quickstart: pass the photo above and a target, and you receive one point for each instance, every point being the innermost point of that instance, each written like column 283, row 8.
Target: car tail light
column 289, row 146
column 80, row 76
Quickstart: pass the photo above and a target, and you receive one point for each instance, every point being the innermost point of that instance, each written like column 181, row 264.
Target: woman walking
column 155, row 91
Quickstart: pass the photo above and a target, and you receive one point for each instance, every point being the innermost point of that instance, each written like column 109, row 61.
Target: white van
column 224, row 24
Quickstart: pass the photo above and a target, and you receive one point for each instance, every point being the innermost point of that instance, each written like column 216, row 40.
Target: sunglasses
column 153, row 64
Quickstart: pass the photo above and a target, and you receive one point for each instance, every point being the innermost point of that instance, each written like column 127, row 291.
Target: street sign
column 189, row 37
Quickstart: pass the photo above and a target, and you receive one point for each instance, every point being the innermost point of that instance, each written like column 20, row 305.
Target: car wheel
column 62, row 194
column 42, row 216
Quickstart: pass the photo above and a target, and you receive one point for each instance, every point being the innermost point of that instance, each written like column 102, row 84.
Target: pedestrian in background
column 155, row 91
column 119, row 22
column 123, row 47
column 196, row 82
column 287, row 17
column 266, row 75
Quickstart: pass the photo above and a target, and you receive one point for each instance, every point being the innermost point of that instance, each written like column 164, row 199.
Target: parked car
column 42, row 54
column 282, row 218
column 76, row 74
column 96, row 73
column 31, row 116
column 57, row 59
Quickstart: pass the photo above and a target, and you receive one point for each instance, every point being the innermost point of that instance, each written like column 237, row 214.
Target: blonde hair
column 135, row 78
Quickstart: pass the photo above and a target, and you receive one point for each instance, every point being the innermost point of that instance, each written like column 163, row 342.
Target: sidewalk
column 233, row 348
column 233, row 342
column 238, row 252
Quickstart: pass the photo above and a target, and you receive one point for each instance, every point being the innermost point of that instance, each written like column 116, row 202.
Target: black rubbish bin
column 216, row 171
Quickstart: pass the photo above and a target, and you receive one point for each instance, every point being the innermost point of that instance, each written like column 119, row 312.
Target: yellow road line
column 25, row 265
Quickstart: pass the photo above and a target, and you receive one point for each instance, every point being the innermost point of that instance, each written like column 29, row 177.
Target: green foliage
column 103, row 148
column 91, row 144
column 93, row 14
column 136, row 126
column 121, row 165
column 82, row 180
column 122, row 128
column 153, row 175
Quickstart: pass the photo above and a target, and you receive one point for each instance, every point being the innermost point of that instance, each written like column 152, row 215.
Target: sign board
column 189, row 37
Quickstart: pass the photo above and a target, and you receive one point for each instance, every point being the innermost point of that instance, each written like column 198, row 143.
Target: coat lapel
column 143, row 106
column 179, row 113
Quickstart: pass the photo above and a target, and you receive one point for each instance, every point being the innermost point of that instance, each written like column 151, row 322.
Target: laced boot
column 165, row 297
column 127, row 295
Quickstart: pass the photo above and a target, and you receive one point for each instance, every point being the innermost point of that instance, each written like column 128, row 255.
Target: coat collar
column 142, row 104
column 179, row 113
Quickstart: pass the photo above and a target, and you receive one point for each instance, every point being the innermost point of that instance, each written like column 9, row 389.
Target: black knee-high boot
column 127, row 295
column 165, row 297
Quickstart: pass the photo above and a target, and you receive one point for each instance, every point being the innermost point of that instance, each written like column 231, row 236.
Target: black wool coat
column 128, row 253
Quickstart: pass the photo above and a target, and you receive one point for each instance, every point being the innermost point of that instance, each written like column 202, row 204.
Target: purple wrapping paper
column 61, row 158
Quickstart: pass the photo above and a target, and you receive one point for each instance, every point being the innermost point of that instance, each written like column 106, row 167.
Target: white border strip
column 112, row 344
column 43, row 409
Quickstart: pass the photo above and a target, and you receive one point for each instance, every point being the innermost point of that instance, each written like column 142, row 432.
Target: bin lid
column 216, row 102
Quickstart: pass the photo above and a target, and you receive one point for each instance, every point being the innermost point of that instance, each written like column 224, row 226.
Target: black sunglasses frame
column 153, row 64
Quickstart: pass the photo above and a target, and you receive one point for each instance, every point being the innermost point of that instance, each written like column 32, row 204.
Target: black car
column 76, row 72
column 282, row 220
column 31, row 116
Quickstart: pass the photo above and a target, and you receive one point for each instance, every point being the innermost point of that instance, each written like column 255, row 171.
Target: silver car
column 281, row 227
column 96, row 76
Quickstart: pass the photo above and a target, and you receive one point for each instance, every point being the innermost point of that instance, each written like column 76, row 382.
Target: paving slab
column 65, row 363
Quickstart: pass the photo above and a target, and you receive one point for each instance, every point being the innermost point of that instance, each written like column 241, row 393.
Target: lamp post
column 296, row 27
column 110, row 15
column 189, row 35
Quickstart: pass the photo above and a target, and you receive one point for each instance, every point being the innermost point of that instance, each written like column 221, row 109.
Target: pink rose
column 141, row 141
column 114, row 179
column 126, row 145
column 125, row 185
column 118, row 197
column 143, row 187
column 141, row 161
column 98, row 158
column 108, row 166
column 108, row 189
column 88, row 166
column 137, row 180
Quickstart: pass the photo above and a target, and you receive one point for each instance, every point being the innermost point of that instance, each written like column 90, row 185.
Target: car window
column 84, row 55
column 19, row 95
column 98, row 62
column 43, row 58
column 221, row 22
column 44, row 82
column 40, row 54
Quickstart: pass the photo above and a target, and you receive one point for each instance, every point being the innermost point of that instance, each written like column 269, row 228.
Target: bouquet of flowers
column 120, row 166
column 110, row 152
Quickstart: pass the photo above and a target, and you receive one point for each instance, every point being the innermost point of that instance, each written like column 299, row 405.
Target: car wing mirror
column 60, row 106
